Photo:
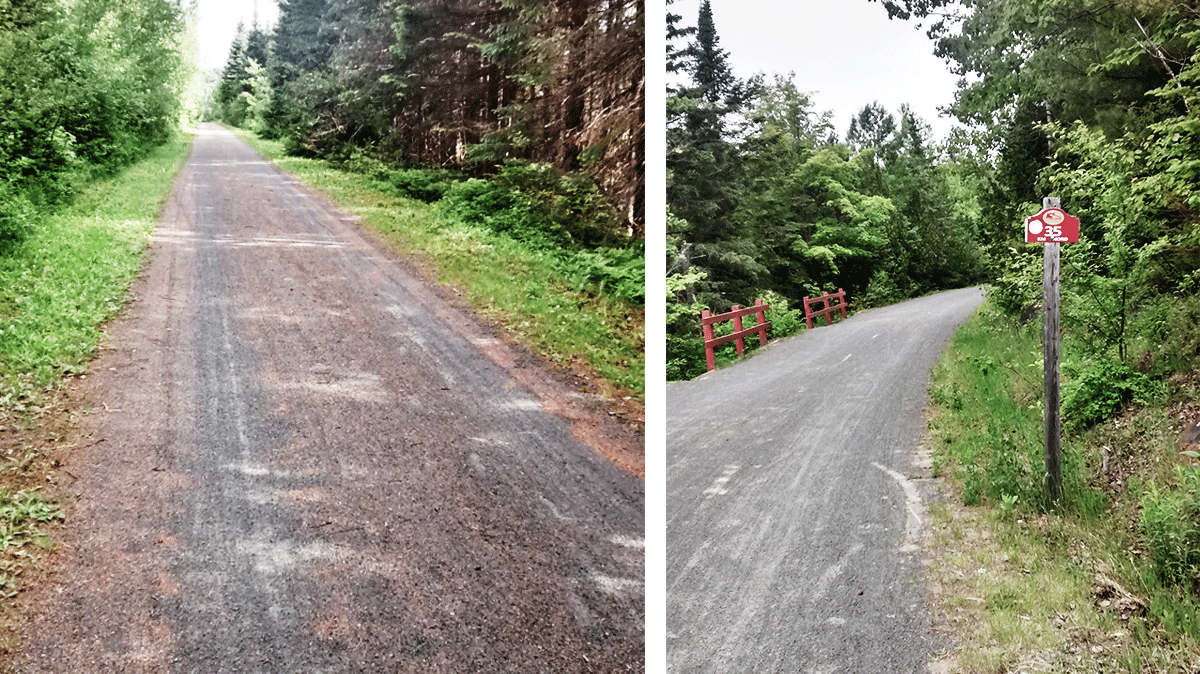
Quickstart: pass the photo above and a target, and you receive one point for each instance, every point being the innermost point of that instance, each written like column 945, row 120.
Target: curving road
column 304, row 459
column 794, row 500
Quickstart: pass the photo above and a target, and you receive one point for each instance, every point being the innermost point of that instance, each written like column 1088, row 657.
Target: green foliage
column 783, row 319
column 617, row 272
column 1018, row 281
column 87, row 87
column 1170, row 526
column 881, row 291
column 20, row 514
column 532, row 202
column 1102, row 391
column 243, row 96
column 424, row 184
column 71, row 272
column 24, row 516
column 1181, row 343
column 685, row 343
column 17, row 217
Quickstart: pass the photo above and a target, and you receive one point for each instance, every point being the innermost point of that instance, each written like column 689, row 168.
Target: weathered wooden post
column 1052, row 227
column 1050, row 369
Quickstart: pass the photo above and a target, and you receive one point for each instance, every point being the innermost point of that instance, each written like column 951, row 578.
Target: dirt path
column 302, row 460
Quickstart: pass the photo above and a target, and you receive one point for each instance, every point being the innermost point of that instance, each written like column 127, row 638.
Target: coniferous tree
column 702, row 162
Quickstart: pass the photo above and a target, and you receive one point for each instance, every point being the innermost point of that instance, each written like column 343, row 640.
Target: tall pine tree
column 702, row 161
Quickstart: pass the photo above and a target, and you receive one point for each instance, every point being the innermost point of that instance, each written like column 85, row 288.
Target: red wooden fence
column 707, row 319
column 830, row 307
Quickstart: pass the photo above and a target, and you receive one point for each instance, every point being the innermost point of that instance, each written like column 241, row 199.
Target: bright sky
column 847, row 53
column 218, row 24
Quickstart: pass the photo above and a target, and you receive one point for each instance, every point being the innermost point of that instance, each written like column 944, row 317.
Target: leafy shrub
column 1018, row 281
column 1015, row 469
column 685, row 345
column 1102, row 391
column 783, row 319
column 1182, row 339
column 17, row 215
column 685, row 356
column 534, row 203
column 616, row 272
column 428, row 185
column 881, row 291
column 477, row 201
column 1170, row 529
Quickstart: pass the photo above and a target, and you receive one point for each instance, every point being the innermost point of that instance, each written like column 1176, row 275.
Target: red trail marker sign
column 1052, row 225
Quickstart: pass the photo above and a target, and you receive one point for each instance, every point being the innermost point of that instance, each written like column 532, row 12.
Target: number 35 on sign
column 1052, row 225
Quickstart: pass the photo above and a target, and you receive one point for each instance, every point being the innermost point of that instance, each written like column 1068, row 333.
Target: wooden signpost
column 1052, row 227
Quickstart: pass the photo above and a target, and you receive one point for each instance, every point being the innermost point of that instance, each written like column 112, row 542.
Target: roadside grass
column 72, row 273
column 523, row 289
column 57, row 287
column 1079, row 588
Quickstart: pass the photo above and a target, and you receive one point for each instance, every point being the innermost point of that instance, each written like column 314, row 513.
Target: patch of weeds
column 1171, row 531
column 1102, row 390
column 71, row 273
column 23, row 518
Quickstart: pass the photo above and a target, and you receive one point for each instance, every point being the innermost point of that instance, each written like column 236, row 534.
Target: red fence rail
column 707, row 319
column 830, row 307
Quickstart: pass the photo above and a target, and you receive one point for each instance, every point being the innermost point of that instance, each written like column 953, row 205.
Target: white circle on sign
column 1035, row 226
column 1053, row 217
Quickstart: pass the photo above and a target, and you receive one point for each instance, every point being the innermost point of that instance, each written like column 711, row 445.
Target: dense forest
column 1094, row 102
column 465, row 84
column 87, row 87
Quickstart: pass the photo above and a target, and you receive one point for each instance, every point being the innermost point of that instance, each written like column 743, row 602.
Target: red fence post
column 708, row 339
column 842, row 301
column 737, row 330
column 761, row 315
column 807, row 312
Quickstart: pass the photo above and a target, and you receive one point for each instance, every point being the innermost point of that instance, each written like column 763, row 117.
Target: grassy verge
column 525, row 290
column 57, row 287
column 1092, row 586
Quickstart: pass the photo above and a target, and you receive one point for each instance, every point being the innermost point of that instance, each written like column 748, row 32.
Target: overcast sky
column 218, row 24
column 847, row 53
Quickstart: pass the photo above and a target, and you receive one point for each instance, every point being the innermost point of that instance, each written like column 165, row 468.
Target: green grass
column 72, row 273
column 524, row 289
column 1023, row 586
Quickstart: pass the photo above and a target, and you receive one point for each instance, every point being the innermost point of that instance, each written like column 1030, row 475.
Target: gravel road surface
column 303, row 459
column 794, row 500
